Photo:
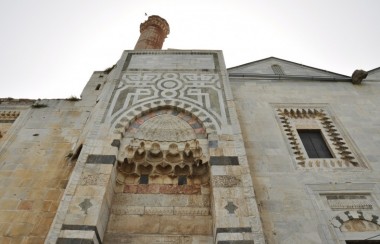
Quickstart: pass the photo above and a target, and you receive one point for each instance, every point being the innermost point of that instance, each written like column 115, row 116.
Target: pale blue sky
column 50, row 48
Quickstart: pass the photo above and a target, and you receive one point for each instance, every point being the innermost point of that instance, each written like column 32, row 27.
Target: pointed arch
column 343, row 217
column 124, row 120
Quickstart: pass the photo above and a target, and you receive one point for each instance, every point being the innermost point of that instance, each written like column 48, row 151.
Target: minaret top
column 152, row 33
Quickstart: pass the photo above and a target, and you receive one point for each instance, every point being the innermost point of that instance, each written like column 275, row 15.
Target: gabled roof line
column 373, row 70
column 288, row 77
column 246, row 64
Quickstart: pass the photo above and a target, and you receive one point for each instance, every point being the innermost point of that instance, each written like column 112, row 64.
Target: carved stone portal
column 151, row 160
column 162, row 178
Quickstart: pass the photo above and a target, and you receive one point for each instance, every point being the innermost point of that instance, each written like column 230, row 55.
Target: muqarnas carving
column 7, row 117
column 293, row 119
column 173, row 161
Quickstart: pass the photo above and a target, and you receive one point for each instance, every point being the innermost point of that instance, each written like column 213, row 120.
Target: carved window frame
column 331, row 219
column 293, row 117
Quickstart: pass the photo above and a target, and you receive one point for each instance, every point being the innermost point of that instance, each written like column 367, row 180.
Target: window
column 277, row 69
column 314, row 138
column 314, row 144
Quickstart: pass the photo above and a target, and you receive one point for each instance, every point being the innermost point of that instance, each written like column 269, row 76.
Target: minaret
column 153, row 33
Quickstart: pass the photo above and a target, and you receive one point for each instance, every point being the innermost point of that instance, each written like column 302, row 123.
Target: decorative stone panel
column 225, row 181
column 159, row 126
column 343, row 201
column 347, row 209
column 341, row 218
column 293, row 118
column 202, row 94
column 150, row 159
column 7, row 117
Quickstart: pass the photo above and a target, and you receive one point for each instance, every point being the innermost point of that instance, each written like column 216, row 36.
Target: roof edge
column 284, row 60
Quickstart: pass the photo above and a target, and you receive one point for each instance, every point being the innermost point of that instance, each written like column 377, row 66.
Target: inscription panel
column 338, row 202
column 172, row 61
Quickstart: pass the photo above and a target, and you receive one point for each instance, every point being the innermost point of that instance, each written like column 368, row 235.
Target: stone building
column 169, row 146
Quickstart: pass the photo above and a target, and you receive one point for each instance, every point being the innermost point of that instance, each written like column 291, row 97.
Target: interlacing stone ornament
column 167, row 125
column 197, row 92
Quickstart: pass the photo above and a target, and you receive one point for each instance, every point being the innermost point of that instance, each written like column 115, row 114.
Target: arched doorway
column 162, row 191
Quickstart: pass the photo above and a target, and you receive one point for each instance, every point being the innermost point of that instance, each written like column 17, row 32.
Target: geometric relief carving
column 163, row 189
column 305, row 118
column 151, row 239
column 165, row 128
column 350, row 202
column 140, row 210
column 197, row 90
column 166, row 125
column 7, row 117
column 94, row 179
column 191, row 211
column 225, row 181
column 342, row 218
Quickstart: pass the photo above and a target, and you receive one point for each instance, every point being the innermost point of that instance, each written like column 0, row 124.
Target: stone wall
column 155, row 109
column 36, row 159
column 291, row 197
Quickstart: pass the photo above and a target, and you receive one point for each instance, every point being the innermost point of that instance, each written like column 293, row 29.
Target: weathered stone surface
column 224, row 160
column 101, row 159
column 358, row 76
column 284, row 205
column 225, row 181
column 153, row 33
column 163, row 115
column 155, row 239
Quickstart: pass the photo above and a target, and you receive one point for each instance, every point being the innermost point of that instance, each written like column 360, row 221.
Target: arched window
column 277, row 69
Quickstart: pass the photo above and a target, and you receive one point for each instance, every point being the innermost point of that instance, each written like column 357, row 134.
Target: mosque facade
column 170, row 146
